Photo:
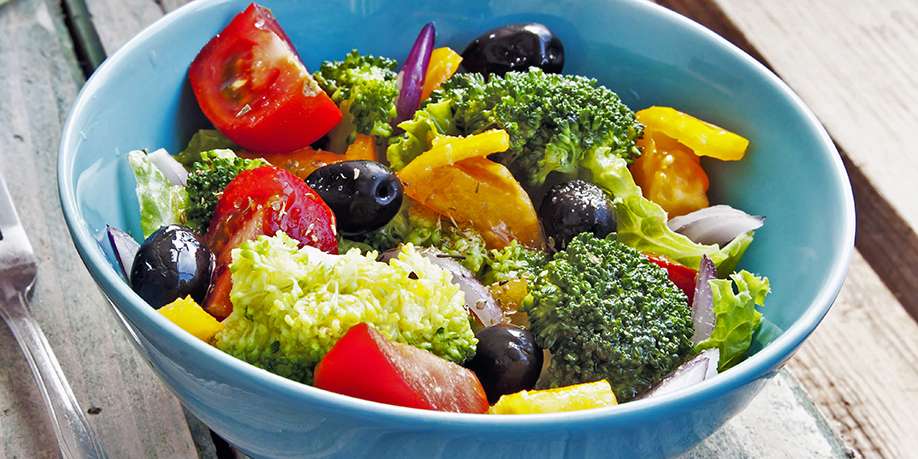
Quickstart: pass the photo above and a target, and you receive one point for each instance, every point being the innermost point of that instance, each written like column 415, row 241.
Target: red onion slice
column 172, row 169
column 411, row 77
column 700, row 368
column 125, row 248
column 715, row 225
column 703, row 317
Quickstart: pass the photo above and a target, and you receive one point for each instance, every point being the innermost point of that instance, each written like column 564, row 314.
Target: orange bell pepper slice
column 302, row 162
column 480, row 193
column 363, row 147
column 443, row 64
column 703, row 138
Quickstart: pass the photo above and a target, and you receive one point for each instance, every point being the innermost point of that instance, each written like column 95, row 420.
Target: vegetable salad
column 474, row 232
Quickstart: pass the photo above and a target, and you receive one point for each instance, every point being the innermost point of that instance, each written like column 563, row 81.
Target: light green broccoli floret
column 515, row 261
column 290, row 305
column 605, row 312
column 426, row 230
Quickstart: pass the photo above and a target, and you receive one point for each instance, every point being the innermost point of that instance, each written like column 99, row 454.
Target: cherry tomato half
column 670, row 175
column 250, row 83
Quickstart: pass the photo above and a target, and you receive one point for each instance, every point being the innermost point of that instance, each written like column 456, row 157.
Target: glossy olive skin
column 575, row 207
column 514, row 47
column 364, row 195
column 506, row 361
column 172, row 263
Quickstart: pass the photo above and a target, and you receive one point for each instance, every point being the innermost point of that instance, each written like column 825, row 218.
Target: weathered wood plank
column 861, row 367
column 137, row 417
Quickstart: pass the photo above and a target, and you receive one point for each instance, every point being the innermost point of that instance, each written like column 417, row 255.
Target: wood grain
column 861, row 367
column 136, row 416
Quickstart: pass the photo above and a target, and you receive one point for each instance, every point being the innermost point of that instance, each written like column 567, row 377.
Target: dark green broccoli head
column 553, row 120
column 364, row 87
column 605, row 312
column 206, row 181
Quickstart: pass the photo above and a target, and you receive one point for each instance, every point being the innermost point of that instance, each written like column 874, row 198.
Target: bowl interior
column 791, row 174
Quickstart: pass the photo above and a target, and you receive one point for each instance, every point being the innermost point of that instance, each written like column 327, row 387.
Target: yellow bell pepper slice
column 447, row 151
column 188, row 315
column 703, row 138
column 443, row 64
column 571, row 398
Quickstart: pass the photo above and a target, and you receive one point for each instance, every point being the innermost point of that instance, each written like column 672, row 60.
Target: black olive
column 514, row 47
column 364, row 195
column 172, row 263
column 507, row 360
column 575, row 207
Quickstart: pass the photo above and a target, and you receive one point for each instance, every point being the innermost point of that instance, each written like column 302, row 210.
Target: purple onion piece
column 478, row 299
column 171, row 169
column 703, row 318
column 125, row 248
column 715, row 225
column 411, row 77
column 700, row 368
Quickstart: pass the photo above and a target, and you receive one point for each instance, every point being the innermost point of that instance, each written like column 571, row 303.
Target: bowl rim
column 747, row 371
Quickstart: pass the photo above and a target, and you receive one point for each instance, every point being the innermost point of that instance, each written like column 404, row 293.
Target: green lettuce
column 291, row 304
column 736, row 317
column 642, row 222
column 201, row 141
column 161, row 202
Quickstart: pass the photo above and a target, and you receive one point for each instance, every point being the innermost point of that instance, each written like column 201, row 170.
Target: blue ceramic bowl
column 792, row 174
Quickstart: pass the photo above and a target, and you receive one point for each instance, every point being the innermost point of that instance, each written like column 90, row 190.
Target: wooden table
column 851, row 390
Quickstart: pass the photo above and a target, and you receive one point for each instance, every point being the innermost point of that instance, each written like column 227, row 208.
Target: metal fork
column 17, row 277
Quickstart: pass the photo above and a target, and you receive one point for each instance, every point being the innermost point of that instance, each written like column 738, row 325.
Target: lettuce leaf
column 736, row 316
column 642, row 222
column 161, row 202
column 201, row 141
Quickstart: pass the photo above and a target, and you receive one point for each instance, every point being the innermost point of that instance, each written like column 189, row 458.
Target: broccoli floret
column 515, row 261
column 202, row 141
column 364, row 87
column 605, row 312
column 207, row 179
column 553, row 120
column 291, row 304
column 427, row 230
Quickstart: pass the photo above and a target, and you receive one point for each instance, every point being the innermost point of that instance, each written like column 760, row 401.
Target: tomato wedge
column 263, row 201
column 365, row 365
column 250, row 83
